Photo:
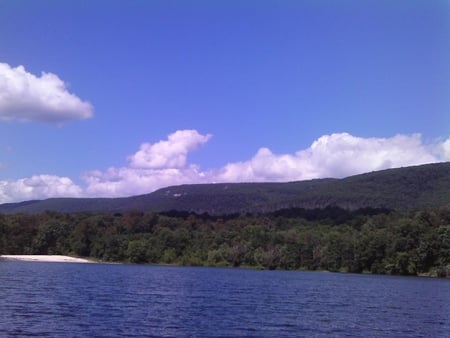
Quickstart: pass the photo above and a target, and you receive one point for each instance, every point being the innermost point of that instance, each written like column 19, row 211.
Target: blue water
column 99, row 300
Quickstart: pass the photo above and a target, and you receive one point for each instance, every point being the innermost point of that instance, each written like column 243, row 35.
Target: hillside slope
column 403, row 188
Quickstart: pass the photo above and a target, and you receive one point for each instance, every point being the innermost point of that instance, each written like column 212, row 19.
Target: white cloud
column 26, row 97
column 442, row 150
column 336, row 155
column 165, row 163
column 130, row 181
column 154, row 166
column 170, row 153
column 38, row 187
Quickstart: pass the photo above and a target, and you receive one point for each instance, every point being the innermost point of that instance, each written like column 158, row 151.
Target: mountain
column 414, row 187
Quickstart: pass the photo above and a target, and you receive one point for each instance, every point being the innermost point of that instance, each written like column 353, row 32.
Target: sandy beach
column 44, row 258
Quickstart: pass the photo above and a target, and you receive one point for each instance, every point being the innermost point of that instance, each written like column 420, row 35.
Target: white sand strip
column 44, row 258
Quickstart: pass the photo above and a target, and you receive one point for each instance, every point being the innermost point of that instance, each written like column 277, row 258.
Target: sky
column 119, row 98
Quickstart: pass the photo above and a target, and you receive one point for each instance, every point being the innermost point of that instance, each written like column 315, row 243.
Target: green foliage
column 406, row 243
column 137, row 251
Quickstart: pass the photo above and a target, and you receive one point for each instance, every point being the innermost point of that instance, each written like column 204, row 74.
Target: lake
column 107, row 300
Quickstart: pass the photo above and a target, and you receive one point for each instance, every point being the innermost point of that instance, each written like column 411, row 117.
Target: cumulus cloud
column 171, row 153
column 38, row 187
column 26, row 97
column 442, row 150
column 336, row 155
column 154, row 166
column 131, row 181
column 165, row 163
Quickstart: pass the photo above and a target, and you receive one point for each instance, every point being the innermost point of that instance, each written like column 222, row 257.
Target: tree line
column 368, row 240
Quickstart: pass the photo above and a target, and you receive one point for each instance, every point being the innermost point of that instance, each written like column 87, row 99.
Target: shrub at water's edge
column 368, row 240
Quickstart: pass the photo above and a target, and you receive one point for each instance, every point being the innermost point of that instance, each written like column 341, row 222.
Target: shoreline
column 45, row 258
column 70, row 259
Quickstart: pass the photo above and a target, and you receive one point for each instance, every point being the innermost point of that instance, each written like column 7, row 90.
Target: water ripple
column 73, row 300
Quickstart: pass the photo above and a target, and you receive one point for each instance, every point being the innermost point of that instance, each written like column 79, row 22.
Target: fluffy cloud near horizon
column 171, row 153
column 336, row 155
column 153, row 166
column 26, row 97
column 38, row 187
column 165, row 163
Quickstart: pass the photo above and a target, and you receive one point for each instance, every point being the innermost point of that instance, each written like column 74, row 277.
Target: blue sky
column 249, row 91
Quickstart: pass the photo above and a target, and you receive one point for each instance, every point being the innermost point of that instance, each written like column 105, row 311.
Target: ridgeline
column 388, row 222
column 417, row 187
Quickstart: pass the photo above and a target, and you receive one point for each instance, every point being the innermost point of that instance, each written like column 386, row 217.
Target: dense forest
column 366, row 240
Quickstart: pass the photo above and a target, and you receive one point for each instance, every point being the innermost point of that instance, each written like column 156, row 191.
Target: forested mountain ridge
column 415, row 187
column 346, row 225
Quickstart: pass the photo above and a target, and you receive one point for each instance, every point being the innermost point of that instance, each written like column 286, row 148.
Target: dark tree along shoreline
column 367, row 240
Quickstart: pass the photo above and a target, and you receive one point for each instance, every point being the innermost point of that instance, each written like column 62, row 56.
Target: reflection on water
column 73, row 300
